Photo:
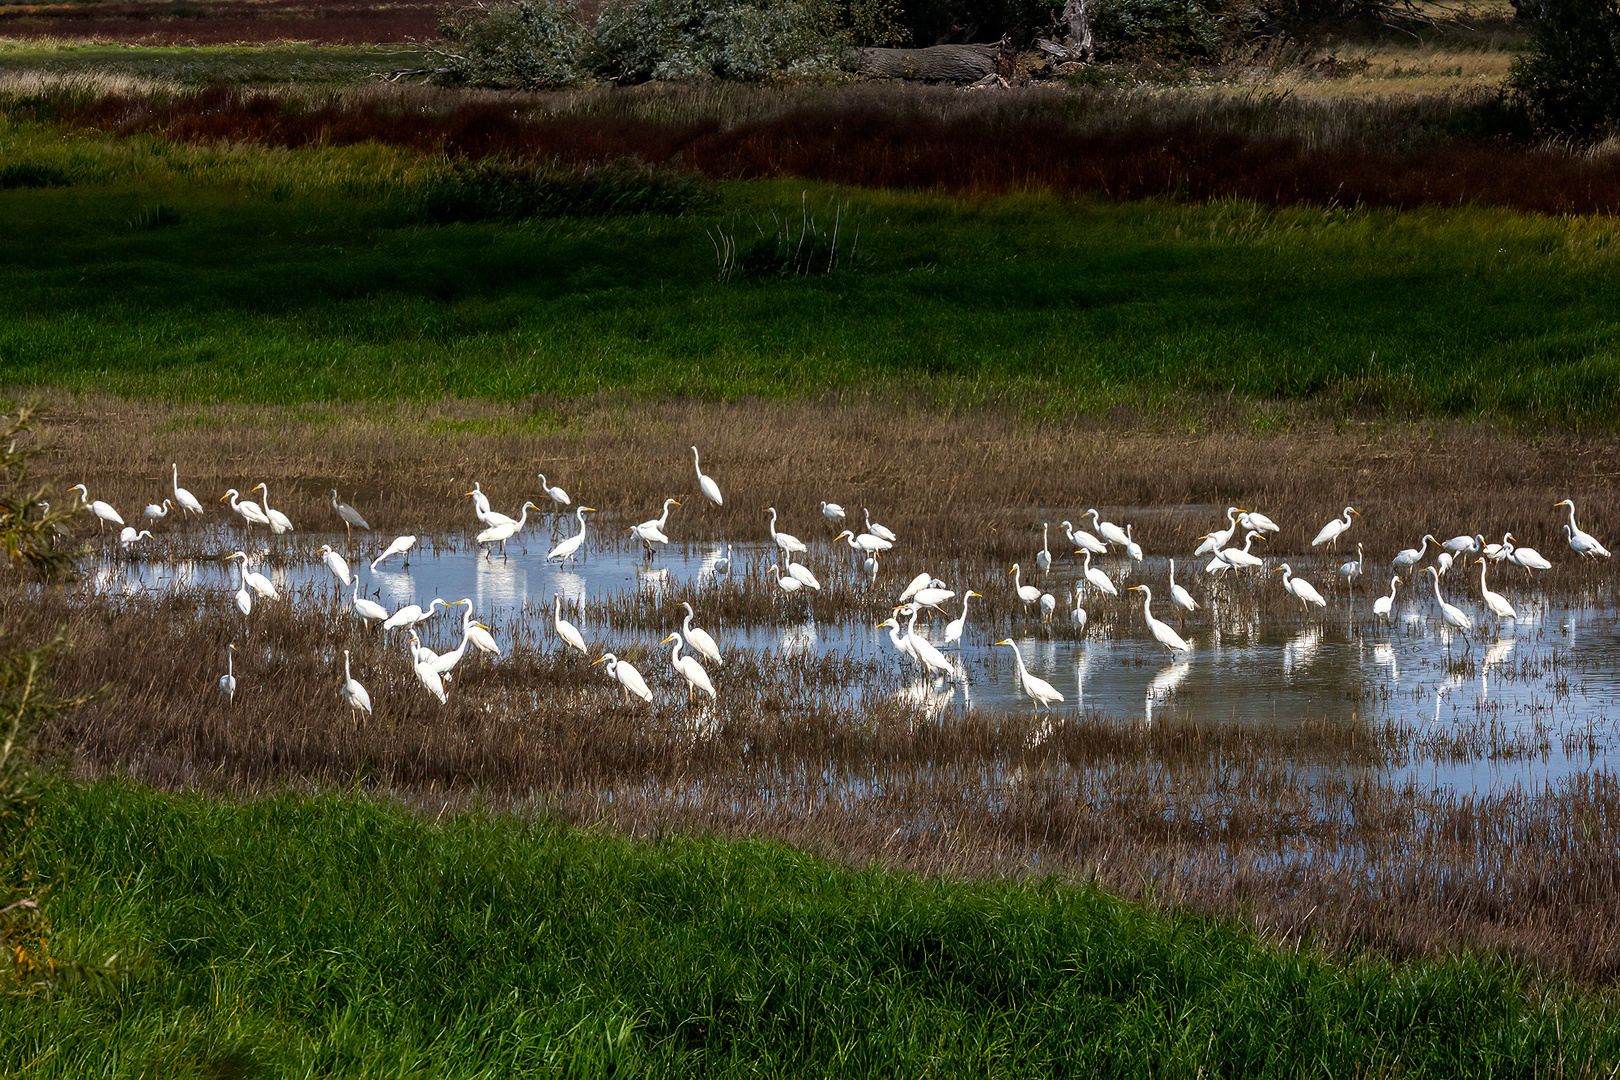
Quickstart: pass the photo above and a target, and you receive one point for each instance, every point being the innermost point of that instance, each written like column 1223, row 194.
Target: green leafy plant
column 1569, row 83
column 526, row 45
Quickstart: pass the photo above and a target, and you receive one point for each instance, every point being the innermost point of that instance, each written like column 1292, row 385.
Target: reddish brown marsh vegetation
column 1390, row 152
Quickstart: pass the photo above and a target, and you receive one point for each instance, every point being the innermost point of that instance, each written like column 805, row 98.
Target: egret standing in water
column 1299, row 587
column 570, row 547
column 688, row 668
column 567, row 632
column 1332, row 530
column 1582, row 543
column 1162, row 631
column 1452, row 615
column 1384, row 606
column 351, row 691
column 227, row 681
column 1041, row 692
column 184, row 499
column 699, row 640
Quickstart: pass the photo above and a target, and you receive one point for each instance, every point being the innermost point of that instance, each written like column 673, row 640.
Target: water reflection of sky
column 1546, row 687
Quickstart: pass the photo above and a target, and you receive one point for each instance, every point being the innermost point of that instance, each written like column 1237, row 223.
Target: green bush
column 1569, row 84
column 1158, row 29
column 524, row 45
column 749, row 40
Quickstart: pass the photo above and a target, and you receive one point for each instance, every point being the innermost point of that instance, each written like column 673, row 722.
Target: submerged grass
column 336, row 936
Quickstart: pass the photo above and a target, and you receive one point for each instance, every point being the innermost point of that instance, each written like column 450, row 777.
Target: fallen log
column 938, row 63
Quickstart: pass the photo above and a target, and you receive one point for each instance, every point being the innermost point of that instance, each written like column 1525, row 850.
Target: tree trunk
column 940, row 63
column 1077, row 16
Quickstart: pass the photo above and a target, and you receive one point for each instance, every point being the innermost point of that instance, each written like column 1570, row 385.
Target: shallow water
column 1542, row 691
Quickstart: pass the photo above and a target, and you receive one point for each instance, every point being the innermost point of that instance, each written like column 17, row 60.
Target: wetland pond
column 1536, row 696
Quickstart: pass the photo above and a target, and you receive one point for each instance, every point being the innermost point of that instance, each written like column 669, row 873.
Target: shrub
column 1569, row 84
column 750, row 40
column 1160, row 29
column 524, row 45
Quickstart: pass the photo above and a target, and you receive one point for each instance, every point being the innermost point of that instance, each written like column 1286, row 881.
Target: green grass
column 236, row 273
column 202, row 65
column 336, row 937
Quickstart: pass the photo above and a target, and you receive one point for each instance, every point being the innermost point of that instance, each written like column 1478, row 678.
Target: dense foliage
column 1569, row 83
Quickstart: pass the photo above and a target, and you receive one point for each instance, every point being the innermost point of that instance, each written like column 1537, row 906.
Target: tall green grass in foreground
column 237, row 273
column 335, row 936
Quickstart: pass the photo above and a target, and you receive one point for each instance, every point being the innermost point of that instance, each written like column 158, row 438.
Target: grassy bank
column 338, row 937
column 234, row 273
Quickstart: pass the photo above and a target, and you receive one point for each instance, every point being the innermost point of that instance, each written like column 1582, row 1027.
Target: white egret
column 364, row 606
column 688, row 668
column 244, row 598
column 1498, row 552
column 1132, row 548
column 411, row 615
column 1027, row 593
column 554, row 493
column 500, row 534
column 1077, row 616
column 801, row 572
column 1180, row 597
column 1163, row 631
column 156, row 512
column 480, row 500
column 878, row 530
column 227, row 681
column 789, row 584
column 420, row 653
column 1043, row 558
column 1110, row 532
column 129, row 536
column 1384, row 605
column 255, row 580
column 399, row 546
column 698, row 640
column 1299, row 587
column 184, row 499
column 1048, row 606
column 1239, row 558
column 1582, row 543
column 446, row 662
column 1099, row 580
column 336, row 563
column 351, row 517
column 651, row 531
column 629, row 678
column 1464, row 545
column 570, row 547
column 477, row 632
column 1083, row 540
column 1412, row 556
column 1043, row 693
column 279, row 522
column 786, row 541
column 722, row 565
column 351, row 691
column 1454, row 616
column 1352, row 569
column 1253, row 519
column 1331, row 531
column 567, row 632
column 897, row 638
column 1442, row 562
column 869, row 543
column 104, row 512
column 832, row 512
column 246, row 509
column 922, row 650
column 1215, row 541
column 1494, row 600
column 917, row 583
column 933, row 594
column 706, row 484
column 954, row 628
column 430, row 679
column 1529, row 558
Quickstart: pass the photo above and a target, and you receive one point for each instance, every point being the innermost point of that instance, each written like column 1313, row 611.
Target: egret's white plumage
column 1110, row 532
column 500, row 534
column 1215, row 541
column 412, row 614
column 1384, row 605
column 1331, row 531
column 1497, row 603
column 1084, row 541
column 1412, row 556
column 706, row 484
column 954, row 628
column 651, row 531
column 788, row 584
column 556, row 494
column 1352, row 568
column 1453, row 615
column 629, row 678
column 1162, row 631
column 246, row 509
column 832, row 512
column 570, row 547
column 351, row 691
column 184, row 499
column 877, row 530
column 786, row 541
column 1043, row 558
column 1132, row 548
column 105, row 514
column 1582, row 543
column 368, row 609
column 227, row 681
column 865, row 542
column 802, row 572
column 398, row 546
column 699, row 640
column 336, row 563
column 1043, row 693
column 1179, row 596
column 1027, row 593
column 1299, row 587
column 1099, row 580
column 155, row 512
column 255, row 580
column 688, row 668
column 1253, row 519
column 566, row 631
column 279, row 522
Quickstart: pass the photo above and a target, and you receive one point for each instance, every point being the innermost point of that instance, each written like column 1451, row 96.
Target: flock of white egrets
column 924, row 592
